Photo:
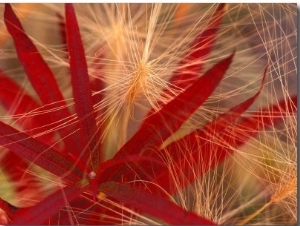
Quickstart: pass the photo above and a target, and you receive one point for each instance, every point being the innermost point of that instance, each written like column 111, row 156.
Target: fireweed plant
column 148, row 114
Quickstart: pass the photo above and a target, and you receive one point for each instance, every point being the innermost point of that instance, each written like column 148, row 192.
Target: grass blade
column 81, row 88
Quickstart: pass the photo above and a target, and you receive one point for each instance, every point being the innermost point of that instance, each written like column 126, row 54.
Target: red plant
column 79, row 163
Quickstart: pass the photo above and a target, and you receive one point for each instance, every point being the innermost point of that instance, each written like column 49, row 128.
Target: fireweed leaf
column 38, row 71
column 10, row 93
column 112, row 163
column 90, row 215
column 39, row 74
column 207, row 133
column 151, row 204
column 10, row 211
column 191, row 65
column 81, row 89
column 161, row 125
column 210, row 153
column 97, row 84
column 18, row 173
column 38, row 153
column 174, row 150
column 39, row 213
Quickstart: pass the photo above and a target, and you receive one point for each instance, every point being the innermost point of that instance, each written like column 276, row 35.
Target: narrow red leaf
column 148, row 203
column 161, row 125
column 211, row 153
column 81, row 88
column 18, row 173
column 249, row 126
column 17, row 102
column 86, row 212
column 216, row 126
column 9, row 209
column 38, row 153
column 51, row 205
column 174, row 151
column 10, row 92
column 113, row 163
column 87, row 203
column 97, row 84
column 190, row 66
column 40, row 75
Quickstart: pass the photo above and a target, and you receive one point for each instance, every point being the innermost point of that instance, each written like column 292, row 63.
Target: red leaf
column 40, row 75
column 18, row 102
column 39, row 213
column 175, row 154
column 249, row 126
column 97, row 84
column 211, row 153
column 38, row 153
column 206, row 134
column 19, row 173
column 216, row 126
column 81, row 88
column 9, row 210
column 109, row 164
column 86, row 212
column 150, row 204
column 112, row 163
column 161, row 125
column 190, row 66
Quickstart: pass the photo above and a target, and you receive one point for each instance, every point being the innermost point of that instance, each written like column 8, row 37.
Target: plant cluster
column 124, row 145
